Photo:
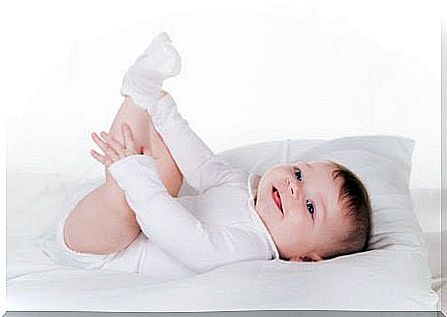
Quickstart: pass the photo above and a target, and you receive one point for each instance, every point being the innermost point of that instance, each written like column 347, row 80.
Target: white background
column 253, row 71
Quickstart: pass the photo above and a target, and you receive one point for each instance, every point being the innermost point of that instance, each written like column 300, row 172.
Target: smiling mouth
column 277, row 198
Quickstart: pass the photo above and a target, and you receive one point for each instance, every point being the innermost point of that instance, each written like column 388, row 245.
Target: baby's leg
column 102, row 222
column 151, row 141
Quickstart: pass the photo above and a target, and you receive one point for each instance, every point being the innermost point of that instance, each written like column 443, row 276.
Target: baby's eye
column 310, row 206
column 298, row 174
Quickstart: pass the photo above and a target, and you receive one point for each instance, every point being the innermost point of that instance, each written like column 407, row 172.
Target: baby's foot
column 144, row 79
column 161, row 57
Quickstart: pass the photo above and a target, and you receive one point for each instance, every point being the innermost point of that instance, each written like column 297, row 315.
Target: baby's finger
column 128, row 138
column 100, row 158
column 113, row 143
column 105, row 147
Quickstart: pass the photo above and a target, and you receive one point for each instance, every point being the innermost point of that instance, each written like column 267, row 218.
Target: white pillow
column 397, row 255
column 383, row 164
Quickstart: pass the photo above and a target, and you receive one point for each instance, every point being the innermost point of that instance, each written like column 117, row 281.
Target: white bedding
column 36, row 283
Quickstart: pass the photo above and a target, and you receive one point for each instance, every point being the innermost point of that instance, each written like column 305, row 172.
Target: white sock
column 143, row 81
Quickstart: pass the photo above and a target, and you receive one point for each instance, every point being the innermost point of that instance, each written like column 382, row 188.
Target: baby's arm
column 173, row 228
column 166, row 222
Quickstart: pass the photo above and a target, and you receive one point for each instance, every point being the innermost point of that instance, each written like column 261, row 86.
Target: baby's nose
column 292, row 188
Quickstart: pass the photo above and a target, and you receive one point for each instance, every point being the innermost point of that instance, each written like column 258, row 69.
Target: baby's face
column 299, row 205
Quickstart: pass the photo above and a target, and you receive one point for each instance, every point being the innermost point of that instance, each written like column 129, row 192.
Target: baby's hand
column 113, row 150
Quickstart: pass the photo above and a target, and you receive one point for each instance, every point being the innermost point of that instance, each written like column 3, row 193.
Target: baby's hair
column 354, row 201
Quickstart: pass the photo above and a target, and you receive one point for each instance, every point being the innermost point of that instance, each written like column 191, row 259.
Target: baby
column 305, row 211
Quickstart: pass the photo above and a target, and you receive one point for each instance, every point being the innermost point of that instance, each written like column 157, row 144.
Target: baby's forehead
column 325, row 185
column 319, row 170
column 325, row 164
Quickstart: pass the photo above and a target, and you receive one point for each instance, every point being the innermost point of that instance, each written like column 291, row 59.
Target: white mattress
column 35, row 283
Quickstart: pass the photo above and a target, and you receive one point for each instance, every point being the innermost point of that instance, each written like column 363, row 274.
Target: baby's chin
column 264, row 210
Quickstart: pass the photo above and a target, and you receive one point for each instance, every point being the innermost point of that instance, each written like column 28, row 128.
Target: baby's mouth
column 277, row 198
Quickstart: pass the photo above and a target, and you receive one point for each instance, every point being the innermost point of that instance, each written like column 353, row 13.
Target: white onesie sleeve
column 201, row 168
column 173, row 228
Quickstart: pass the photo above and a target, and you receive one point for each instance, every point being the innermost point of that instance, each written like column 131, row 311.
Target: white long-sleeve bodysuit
column 186, row 235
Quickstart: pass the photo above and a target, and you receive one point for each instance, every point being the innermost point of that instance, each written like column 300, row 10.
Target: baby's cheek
column 306, row 228
column 267, row 208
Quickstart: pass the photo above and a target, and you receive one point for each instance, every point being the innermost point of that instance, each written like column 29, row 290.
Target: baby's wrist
column 135, row 170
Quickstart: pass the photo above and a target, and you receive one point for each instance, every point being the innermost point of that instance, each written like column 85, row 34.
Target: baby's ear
column 311, row 257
